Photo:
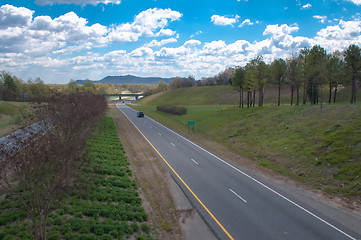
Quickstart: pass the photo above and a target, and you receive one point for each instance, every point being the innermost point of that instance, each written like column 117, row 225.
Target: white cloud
column 142, row 52
column 214, row 47
column 306, row 6
column 246, row 22
column 276, row 30
column 155, row 43
column 340, row 35
column 223, row 21
column 192, row 43
column 195, row 34
column 322, row 19
column 357, row 2
column 78, row 2
column 149, row 23
column 44, row 46
column 170, row 55
column 11, row 16
column 238, row 47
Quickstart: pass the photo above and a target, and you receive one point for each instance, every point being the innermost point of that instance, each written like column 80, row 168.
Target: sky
column 60, row 40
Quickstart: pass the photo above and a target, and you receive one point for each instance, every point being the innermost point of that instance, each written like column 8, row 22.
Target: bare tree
column 41, row 172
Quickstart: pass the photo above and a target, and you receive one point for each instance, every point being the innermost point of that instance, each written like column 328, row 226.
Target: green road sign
column 191, row 123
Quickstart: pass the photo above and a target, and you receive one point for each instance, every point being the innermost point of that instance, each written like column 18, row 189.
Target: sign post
column 191, row 124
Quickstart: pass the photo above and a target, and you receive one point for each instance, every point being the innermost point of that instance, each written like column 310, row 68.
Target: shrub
column 172, row 109
column 145, row 228
column 57, row 220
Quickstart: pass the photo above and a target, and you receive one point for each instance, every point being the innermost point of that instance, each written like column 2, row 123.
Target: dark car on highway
column 140, row 114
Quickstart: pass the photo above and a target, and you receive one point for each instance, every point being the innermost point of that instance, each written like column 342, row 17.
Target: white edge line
column 238, row 195
column 195, row 161
column 255, row 180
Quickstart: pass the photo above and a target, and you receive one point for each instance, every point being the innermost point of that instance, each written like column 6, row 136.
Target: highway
column 232, row 202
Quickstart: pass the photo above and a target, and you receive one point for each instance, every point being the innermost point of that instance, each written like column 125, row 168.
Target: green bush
column 145, row 228
column 57, row 220
column 172, row 109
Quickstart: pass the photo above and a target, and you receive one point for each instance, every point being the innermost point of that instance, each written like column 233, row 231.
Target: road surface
column 233, row 203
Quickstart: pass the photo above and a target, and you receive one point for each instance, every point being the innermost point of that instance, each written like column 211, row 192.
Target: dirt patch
column 152, row 178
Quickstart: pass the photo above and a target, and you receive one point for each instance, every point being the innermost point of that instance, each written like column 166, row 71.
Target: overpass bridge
column 120, row 95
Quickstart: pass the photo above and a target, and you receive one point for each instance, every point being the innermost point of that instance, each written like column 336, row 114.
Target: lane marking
column 237, row 195
column 184, row 183
column 172, row 144
column 194, row 161
column 159, row 134
column 260, row 183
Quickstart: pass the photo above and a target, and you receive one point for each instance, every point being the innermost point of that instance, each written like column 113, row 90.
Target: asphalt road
column 233, row 203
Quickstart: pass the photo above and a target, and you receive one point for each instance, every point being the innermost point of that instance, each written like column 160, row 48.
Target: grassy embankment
column 105, row 206
column 8, row 114
column 319, row 147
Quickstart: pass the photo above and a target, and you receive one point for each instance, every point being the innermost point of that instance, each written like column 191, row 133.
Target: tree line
column 13, row 88
column 307, row 73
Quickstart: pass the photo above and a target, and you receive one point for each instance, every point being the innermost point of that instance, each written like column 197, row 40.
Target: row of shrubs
column 175, row 110
column 106, row 205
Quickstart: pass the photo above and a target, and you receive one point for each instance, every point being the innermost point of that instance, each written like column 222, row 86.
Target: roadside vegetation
column 319, row 147
column 9, row 112
column 103, row 205
column 41, row 173
column 172, row 109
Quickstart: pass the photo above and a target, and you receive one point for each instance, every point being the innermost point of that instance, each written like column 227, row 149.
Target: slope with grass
column 319, row 147
column 8, row 115
column 204, row 95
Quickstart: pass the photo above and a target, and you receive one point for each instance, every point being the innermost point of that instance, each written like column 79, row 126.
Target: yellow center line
column 190, row 190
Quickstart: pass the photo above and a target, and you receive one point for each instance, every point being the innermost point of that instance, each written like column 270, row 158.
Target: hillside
column 129, row 79
column 205, row 95
column 319, row 147
column 8, row 114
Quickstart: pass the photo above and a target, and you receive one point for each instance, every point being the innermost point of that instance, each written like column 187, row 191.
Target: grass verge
column 8, row 115
column 105, row 206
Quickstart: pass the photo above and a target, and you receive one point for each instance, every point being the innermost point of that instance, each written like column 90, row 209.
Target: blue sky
column 59, row 40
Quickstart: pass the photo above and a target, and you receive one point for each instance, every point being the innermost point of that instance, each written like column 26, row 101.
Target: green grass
column 320, row 147
column 205, row 95
column 8, row 115
column 107, row 206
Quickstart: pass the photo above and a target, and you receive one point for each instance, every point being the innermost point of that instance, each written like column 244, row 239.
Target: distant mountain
column 129, row 79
